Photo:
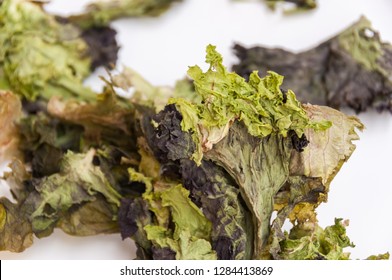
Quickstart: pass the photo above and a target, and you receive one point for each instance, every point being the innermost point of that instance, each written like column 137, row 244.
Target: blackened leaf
column 171, row 143
column 102, row 46
column 213, row 190
column 163, row 254
column 350, row 70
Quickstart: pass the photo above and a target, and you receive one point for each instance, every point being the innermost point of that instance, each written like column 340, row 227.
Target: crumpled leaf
column 253, row 140
column 211, row 188
column 90, row 218
column 102, row 119
column 40, row 57
column 173, row 224
column 313, row 169
column 78, row 181
column 379, row 257
column 220, row 200
column 351, row 69
column 133, row 216
column 16, row 233
column 42, row 135
column 101, row 12
column 311, row 242
column 142, row 92
column 10, row 114
column 102, row 46
column 260, row 168
column 259, row 104
column 17, row 180
column 328, row 149
column 191, row 233
column 186, row 246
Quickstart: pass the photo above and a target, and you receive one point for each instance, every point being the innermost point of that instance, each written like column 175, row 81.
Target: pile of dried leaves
column 191, row 172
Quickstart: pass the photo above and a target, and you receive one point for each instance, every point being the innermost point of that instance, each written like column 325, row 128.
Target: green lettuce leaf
column 39, row 57
column 102, row 12
column 177, row 227
column 311, row 242
column 379, row 257
column 227, row 97
column 190, row 238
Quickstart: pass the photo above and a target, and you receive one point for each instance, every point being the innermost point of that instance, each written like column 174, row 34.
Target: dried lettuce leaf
column 40, row 57
column 210, row 186
column 10, row 114
column 103, row 118
column 90, row 218
column 299, row 4
column 200, row 179
column 78, row 181
column 260, row 168
column 102, row 12
column 328, row 149
column 310, row 242
column 191, row 234
column 42, row 135
column 227, row 97
column 173, row 224
column 262, row 171
column 350, row 70
column 16, row 232
column 379, row 257
column 311, row 172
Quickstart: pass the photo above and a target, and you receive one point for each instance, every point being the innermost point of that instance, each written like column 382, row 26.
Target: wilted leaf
column 10, row 114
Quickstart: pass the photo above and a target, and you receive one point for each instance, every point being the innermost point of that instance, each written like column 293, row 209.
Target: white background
column 161, row 49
